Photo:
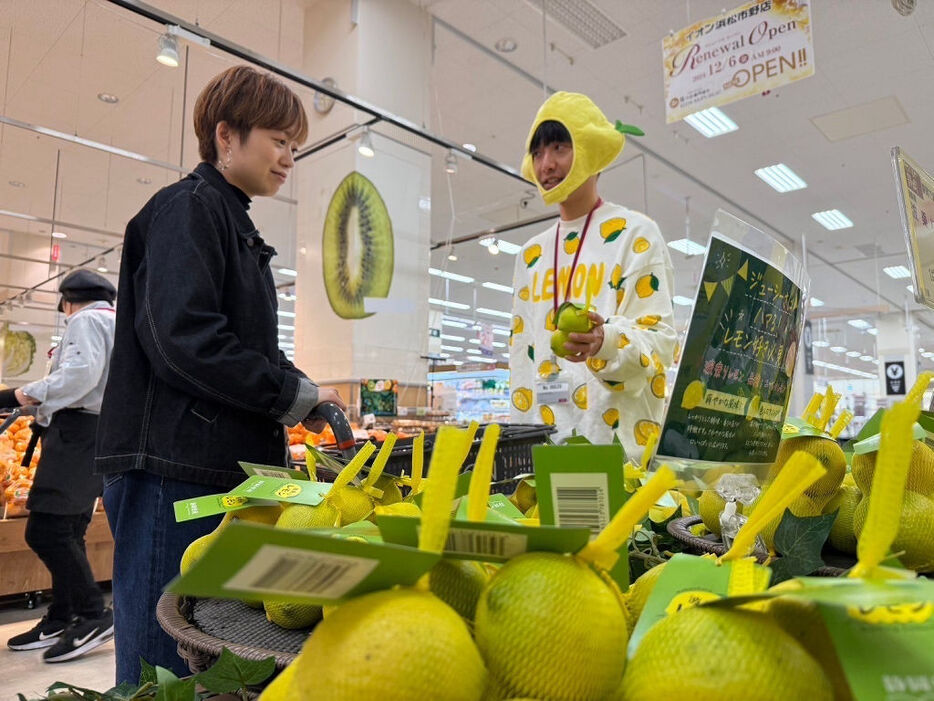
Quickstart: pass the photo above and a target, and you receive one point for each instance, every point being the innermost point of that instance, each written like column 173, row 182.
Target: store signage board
column 915, row 190
column 740, row 53
column 379, row 397
column 734, row 380
column 895, row 377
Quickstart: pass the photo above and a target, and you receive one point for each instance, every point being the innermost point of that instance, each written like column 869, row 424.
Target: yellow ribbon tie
column 479, row 492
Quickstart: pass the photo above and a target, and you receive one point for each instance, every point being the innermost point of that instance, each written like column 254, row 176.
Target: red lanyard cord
column 567, row 291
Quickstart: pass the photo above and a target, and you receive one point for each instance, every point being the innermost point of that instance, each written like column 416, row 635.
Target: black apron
column 65, row 482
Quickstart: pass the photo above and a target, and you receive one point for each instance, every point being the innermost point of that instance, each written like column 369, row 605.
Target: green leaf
column 612, row 237
column 127, row 692
column 147, row 673
column 231, row 673
column 171, row 688
column 799, row 541
column 74, row 692
column 571, row 236
column 530, row 350
column 630, row 129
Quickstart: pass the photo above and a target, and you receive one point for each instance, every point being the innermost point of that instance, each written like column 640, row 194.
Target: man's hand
column 581, row 346
column 24, row 399
column 325, row 394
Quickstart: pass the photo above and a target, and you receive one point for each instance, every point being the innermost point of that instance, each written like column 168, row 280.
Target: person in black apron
column 67, row 402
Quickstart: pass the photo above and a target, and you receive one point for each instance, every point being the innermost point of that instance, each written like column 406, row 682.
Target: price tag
column 552, row 392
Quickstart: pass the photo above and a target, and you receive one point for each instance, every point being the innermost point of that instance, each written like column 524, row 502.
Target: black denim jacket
column 197, row 380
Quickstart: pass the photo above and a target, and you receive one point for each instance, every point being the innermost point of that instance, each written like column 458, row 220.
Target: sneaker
column 82, row 635
column 44, row 634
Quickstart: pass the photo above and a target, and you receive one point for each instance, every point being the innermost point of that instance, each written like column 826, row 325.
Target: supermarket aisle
column 26, row 673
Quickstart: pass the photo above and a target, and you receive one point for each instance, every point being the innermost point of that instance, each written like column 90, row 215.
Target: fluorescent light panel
column 873, row 331
column 837, row 349
column 711, row 122
column 687, row 247
column 494, row 312
column 449, row 276
column 820, row 344
column 859, row 323
column 498, row 287
column 455, row 324
column 456, row 349
column 897, row 272
column 841, row 368
column 504, row 246
column 832, row 219
column 853, row 354
column 451, row 337
column 781, row 178
column 446, row 303
column 291, row 315
column 287, row 271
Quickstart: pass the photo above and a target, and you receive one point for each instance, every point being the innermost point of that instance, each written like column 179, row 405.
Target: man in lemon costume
column 612, row 378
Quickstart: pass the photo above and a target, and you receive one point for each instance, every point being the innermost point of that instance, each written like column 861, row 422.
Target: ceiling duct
column 583, row 19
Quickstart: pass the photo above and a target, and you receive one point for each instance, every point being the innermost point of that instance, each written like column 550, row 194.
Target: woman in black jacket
column 197, row 380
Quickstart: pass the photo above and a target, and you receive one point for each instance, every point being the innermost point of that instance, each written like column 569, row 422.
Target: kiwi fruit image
column 356, row 247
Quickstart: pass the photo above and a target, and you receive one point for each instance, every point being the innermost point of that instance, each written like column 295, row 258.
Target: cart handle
column 343, row 434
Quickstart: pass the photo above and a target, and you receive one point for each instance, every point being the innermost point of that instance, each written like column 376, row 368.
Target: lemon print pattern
column 524, row 294
column 658, row 385
column 518, row 325
column 623, row 341
column 643, row 360
column 548, row 368
column 645, row 429
column 548, row 416
column 647, row 285
column 693, row 395
column 611, row 229
column 531, row 255
column 580, row 397
column 611, row 418
column 571, row 243
column 640, row 245
column 596, row 364
column 615, row 386
column 522, row 398
column 550, row 321
column 648, row 320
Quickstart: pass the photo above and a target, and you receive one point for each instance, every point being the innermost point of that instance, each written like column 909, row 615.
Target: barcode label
column 281, row 474
column 490, row 544
column 580, row 500
column 281, row 570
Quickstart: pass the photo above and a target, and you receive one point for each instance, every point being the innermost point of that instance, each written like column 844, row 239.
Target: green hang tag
column 491, row 515
column 252, row 561
column 871, row 444
column 686, row 581
column 273, row 471
column 500, row 503
column 582, row 486
column 320, row 459
column 367, row 530
column 796, row 427
column 283, row 490
column 487, row 541
column 213, row 504
column 460, row 488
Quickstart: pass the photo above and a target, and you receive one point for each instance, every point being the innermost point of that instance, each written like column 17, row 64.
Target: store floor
column 26, row 673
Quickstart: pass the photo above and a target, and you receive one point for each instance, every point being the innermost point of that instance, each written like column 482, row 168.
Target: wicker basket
column 204, row 627
column 679, row 528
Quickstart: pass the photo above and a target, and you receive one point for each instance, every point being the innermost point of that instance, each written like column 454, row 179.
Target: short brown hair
column 245, row 98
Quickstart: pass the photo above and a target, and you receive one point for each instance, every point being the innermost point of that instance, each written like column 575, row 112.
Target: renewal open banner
column 755, row 47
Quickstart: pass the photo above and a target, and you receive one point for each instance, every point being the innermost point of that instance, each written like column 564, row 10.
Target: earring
column 226, row 164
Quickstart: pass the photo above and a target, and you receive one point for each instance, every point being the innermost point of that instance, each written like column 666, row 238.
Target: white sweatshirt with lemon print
column 625, row 264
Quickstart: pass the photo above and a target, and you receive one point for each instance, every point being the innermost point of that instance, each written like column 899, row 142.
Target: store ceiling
column 56, row 56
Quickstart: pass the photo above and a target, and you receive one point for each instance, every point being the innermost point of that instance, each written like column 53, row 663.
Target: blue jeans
column 148, row 546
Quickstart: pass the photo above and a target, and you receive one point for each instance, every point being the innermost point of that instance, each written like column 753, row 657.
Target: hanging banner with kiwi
column 734, row 380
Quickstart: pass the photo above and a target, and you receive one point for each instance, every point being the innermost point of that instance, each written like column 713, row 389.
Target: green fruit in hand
column 558, row 339
column 573, row 318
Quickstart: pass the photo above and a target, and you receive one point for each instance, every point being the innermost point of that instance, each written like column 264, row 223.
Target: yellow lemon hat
column 597, row 141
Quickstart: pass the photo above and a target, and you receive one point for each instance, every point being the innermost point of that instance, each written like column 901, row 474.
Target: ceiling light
column 473, row 351
column 455, row 324
column 475, row 341
column 470, row 147
column 897, row 272
column 493, row 249
column 497, row 344
column 501, row 332
column 59, row 235
column 815, row 302
column 853, row 354
column 286, row 296
column 873, row 331
column 457, row 362
column 450, row 163
column 711, row 122
column 144, row 181
column 683, row 301
column 866, row 358
column 820, row 344
column 108, row 98
column 451, row 255
column 101, row 265
column 287, row 271
column 506, row 45
column 499, row 288
column 456, row 349
column 837, row 349
column 285, row 327
column 424, row 204
column 486, row 240
column 444, row 355
column 832, row 219
column 849, row 371
column 859, row 323
column 446, row 303
column 781, row 178
column 505, row 355
column 506, row 247
column 365, row 147
column 910, row 288
column 17, row 183
column 290, row 315
column 168, row 51
column 687, row 247
column 449, row 276
column 494, row 312
column 452, row 337
column 56, row 338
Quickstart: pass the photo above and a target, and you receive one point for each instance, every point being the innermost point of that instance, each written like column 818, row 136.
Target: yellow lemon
column 548, row 368
column 571, row 243
column 616, row 277
column 658, row 385
column 644, row 429
column 619, row 296
column 753, row 410
column 531, row 255
column 292, row 616
column 596, row 364
column 623, row 341
column 548, row 416
column 643, row 360
column 640, row 245
column 459, row 583
column 612, row 228
column 639, row 592
column 611, row 418
column 693, row 395
column 580, row 397
column 524, row 294
column 517, row 325
column 280, row 688
column 399, row 508
column 522, row 399
column 844, row 503
column 550, row 321
column 648, row 320
column 615, row 386
column 647, row 285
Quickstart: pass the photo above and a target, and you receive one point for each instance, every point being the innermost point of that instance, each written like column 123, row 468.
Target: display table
column 21, row 571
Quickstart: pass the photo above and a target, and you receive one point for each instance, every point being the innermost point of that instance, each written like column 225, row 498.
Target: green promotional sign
column 734, row 379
